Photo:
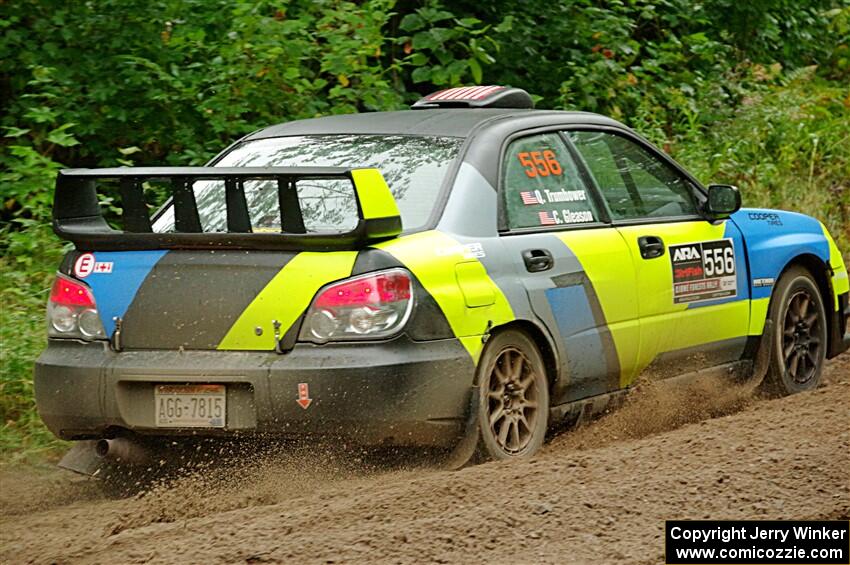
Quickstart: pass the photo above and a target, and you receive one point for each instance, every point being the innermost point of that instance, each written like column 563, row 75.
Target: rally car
column 464, row 274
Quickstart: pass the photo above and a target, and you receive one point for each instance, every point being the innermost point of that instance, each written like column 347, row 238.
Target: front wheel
column 799, row 340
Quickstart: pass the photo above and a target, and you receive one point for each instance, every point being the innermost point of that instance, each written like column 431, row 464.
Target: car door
column 576, row 268
column 693, row 297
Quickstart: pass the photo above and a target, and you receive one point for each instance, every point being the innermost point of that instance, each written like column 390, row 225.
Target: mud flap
column 462, row 453
column 761, row 363
column 83, row 459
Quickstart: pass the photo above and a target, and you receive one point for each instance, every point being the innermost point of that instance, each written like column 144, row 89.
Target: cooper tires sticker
column 704, row 271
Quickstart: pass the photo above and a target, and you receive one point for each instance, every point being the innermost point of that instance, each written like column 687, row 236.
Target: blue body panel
column 114, row 291
column 775, row 237
column 580, row 331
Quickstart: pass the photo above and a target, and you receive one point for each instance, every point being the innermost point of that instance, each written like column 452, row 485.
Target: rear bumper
column 398, row 393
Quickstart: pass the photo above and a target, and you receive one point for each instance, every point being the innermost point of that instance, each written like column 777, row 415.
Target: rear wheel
column 513, row 397
column 799, row 340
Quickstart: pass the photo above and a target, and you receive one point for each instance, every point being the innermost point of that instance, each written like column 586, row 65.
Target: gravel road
column 597, row 494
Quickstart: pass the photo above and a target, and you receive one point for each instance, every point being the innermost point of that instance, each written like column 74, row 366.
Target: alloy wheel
column 513, row 400
column 801, row 341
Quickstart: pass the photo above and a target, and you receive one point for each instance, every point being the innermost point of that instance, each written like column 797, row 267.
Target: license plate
column 190, row 406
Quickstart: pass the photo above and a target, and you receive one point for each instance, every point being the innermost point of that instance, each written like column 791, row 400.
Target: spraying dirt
column 600, row 493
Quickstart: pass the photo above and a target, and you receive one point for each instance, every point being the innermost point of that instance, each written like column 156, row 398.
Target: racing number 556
column 542, row 163
column 719, row 261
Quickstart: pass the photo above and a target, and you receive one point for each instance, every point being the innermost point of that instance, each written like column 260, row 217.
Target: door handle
column 537, row 260
column 651, row 246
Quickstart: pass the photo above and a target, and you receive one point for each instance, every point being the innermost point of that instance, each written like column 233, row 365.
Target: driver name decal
column 703, row 271
column 556, row 217
column 533, row 197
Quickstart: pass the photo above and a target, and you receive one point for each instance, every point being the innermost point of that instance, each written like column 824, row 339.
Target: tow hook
column 116, row 335
column 277, row 344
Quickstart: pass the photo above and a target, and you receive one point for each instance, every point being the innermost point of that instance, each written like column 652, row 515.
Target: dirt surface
column 597, row 494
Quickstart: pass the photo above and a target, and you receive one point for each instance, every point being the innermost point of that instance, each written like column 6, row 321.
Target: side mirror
column 723, row 201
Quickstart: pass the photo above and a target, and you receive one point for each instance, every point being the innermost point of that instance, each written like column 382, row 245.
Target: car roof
column 448, row 122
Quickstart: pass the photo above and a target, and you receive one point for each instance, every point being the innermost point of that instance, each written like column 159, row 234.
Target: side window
column 542, row 186
column 634, row 183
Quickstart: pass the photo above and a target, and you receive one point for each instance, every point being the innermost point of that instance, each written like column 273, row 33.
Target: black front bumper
column 397, row 393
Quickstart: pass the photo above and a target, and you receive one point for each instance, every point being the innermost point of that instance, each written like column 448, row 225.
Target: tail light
column 72, row 311
column 372, row 306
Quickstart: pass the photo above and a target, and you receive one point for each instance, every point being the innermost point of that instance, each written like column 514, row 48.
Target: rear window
column 414, row 168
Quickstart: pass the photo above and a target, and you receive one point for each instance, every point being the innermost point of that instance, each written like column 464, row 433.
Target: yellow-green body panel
column 608, row 265
column 433, row 257
column 374, row 195
column 840, row 281
column 286, row 297
column 758, row 315
column 664, row 325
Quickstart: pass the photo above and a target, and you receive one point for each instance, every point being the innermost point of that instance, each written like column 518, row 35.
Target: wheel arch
column 544, row 343
column 821, row 272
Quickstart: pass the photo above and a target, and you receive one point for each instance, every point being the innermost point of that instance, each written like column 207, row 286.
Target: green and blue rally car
column 462, row 275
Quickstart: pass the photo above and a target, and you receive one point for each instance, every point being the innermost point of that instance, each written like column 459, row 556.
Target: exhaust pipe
column 122, row 450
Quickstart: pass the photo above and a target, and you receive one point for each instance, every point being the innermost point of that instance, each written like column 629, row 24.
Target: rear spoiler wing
column 77, row 215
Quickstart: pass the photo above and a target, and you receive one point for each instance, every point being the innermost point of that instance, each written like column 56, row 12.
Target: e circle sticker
column 84, row 266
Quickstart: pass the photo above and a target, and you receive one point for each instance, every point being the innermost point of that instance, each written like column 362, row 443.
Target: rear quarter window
column 541, row 185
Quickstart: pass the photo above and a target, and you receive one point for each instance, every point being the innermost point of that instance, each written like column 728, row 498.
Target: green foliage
column 749, row 93
column 26, row 272
column 669, row 66
column 785, row 148
column 443, row 50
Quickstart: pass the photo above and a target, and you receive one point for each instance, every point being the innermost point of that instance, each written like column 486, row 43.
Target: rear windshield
column 414, row 168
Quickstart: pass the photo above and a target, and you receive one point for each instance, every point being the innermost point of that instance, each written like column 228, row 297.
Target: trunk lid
column 207, row 299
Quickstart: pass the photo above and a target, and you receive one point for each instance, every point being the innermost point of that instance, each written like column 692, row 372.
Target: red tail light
column 375, row 289
column 69, row 292
column 373, row 306
column 72, row 311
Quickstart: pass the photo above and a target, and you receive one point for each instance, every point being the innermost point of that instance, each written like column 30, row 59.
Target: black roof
column 454, row 122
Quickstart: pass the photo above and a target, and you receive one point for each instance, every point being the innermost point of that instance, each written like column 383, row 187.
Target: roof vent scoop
column 477, row 97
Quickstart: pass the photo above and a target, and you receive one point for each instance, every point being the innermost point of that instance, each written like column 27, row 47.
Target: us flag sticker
column 529, row 198
column 547, row 218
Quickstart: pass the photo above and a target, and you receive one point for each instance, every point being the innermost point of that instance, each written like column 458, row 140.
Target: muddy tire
column 799, row 334
column 509, row 412
column 513, row 398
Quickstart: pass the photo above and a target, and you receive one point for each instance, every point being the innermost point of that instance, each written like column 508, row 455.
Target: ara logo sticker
column 686, row 253
column 86, row 265
column 704, row 271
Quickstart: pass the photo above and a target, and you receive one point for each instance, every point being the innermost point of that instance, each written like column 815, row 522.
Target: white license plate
column 190, row 406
